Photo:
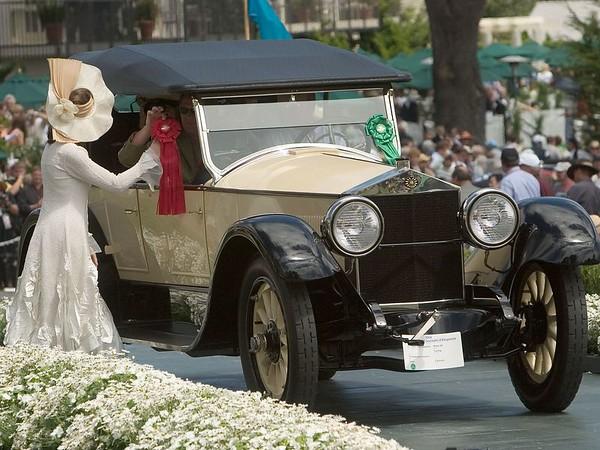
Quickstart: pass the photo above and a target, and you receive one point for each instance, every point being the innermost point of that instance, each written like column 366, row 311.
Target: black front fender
column 556, row 230
column 288, row 244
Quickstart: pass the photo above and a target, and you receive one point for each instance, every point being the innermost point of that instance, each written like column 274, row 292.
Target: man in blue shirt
column 517, row 183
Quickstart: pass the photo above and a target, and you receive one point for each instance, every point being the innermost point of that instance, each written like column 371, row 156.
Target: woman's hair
column 19, row 122
column 80, row 96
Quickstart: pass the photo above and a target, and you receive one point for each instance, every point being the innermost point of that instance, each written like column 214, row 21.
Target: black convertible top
column 218, row 66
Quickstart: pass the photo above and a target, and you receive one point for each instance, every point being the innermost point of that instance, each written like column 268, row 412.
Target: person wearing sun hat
column 584, row 191
column 561, row 182
column 57, row 302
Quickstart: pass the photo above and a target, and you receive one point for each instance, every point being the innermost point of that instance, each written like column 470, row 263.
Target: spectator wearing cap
column 529, row 162
column 584, row 191
column 461, row 177
column 517, row 183
column 561, row 182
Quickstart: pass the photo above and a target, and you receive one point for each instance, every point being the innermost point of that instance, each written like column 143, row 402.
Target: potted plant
column 52, row 16
column 146, row 12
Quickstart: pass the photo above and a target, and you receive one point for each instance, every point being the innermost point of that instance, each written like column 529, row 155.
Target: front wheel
column 550, row 302
column 277, row 336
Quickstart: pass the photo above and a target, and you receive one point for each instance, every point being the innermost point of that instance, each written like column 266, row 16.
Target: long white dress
column 57, row 302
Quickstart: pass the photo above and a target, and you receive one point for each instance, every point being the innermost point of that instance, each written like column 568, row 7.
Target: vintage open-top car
column 305, row 249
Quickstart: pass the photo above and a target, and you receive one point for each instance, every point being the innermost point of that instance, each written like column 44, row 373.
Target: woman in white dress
column 57, row 302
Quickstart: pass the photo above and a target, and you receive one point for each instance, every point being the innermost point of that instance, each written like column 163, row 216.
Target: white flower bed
column 593, row 311
column 59, row 400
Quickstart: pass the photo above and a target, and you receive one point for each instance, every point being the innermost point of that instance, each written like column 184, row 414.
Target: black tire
column 302, row 349
column 326, row 374
column 553, row 389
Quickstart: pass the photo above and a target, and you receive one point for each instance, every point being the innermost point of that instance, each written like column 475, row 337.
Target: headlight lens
column 354, row 225
column 491, row 218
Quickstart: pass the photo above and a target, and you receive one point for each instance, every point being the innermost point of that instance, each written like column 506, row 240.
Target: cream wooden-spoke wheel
column 269, row 339
column 539, row 326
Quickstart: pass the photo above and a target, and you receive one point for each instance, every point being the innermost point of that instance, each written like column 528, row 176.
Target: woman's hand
column 157, row 112
column 94, row 259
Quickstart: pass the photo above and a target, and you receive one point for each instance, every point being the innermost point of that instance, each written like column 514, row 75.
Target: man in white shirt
column 517, row 183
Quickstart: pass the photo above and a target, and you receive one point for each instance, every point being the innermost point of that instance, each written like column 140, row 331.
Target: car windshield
column 239, row 127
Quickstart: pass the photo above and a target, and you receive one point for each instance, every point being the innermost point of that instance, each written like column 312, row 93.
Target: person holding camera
column 9, row 233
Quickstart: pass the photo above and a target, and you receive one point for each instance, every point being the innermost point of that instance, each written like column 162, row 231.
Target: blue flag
column 263, row 15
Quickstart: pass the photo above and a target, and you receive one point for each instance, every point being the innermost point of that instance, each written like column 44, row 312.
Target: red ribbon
column 171, row 197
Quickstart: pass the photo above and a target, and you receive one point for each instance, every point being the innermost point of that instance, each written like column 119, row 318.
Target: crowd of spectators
column 21, row 187
column 548, row 167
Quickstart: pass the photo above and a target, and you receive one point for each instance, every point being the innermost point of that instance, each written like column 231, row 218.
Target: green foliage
column 50, row 11
column 340, row 40
column 408, row 34
column 591, row 279
column 508, row 8
column 32, row 154
column 6, row 69
column 585, row 66
column 146, row 9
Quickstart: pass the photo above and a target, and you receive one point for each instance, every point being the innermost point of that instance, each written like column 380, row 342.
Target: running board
column 165, row 335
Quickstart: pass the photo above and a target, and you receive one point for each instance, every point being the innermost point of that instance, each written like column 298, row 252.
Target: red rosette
column 171, row 197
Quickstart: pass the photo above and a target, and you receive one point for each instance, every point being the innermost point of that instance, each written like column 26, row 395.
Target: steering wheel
column 323, row 136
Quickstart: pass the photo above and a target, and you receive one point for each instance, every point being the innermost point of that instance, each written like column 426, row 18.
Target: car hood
column 307, row 170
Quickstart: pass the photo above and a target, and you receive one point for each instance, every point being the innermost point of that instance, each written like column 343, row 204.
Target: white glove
column 150, row 164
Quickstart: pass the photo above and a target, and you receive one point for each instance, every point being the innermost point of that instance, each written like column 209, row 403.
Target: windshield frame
column 218, row 173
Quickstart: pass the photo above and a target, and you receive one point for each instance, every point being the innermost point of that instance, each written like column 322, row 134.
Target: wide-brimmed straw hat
column 77, row 123
column 585, row 164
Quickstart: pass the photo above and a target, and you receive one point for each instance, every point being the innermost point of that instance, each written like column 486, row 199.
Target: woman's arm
column 78, row 164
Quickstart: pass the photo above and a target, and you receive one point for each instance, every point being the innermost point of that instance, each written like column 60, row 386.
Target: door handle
column 130, row 211
column 198, row 211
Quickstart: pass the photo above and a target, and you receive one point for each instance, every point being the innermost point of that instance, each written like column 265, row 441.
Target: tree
column 408, row 34
column 508, row 8
column 459, row 98
column 585, row 66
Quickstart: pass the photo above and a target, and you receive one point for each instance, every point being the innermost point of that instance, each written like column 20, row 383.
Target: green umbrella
column 421, row 79
column 411, row 62
column 497, row 51
column 126, row 103
column 559, row 57
column 29, row 91
column 532, row 50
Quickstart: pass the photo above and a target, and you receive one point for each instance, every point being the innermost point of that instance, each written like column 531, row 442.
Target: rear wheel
column 551, row 304
column 277, row 336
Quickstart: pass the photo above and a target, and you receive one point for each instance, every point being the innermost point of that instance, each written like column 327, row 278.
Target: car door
column 118, row 215
column 176, row 245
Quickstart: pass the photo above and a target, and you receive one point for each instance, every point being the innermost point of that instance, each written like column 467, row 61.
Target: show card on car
column 441, row 351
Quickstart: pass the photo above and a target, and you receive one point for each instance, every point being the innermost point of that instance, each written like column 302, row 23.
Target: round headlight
column 354, row 226
column 491, row 218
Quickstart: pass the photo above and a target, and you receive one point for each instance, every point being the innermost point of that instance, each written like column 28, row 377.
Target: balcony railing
column 98, row 24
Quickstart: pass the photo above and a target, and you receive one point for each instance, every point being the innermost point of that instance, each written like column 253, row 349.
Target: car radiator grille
column 420, row 258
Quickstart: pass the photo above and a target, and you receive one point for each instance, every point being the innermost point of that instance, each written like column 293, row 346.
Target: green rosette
column 382, row 132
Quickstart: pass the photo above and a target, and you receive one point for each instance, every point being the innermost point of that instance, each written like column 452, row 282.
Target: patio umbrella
column 29, row 91
column 559, row 57
column 497, row 50
column 532, row 50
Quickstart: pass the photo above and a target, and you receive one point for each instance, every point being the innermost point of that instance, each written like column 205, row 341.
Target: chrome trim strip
column 162, row 345
column 391, row 113
column 203, row 132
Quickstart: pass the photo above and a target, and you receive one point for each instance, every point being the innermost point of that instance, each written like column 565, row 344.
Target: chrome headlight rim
column 465, row 214
column 328, row 221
